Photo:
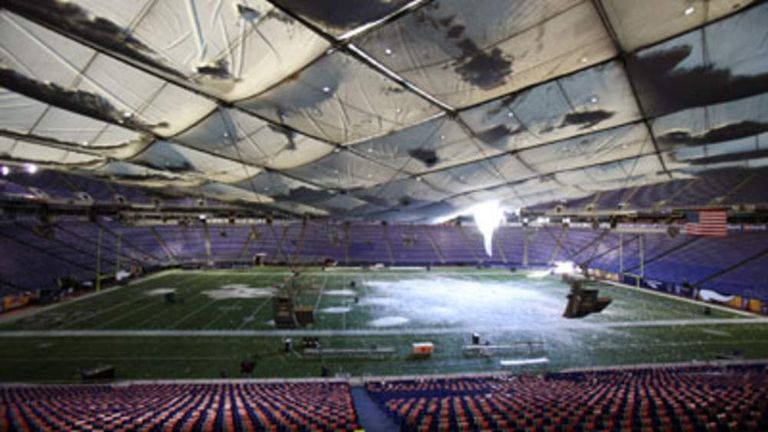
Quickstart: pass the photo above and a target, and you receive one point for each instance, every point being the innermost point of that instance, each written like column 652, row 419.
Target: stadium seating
column 71, row 249
column 153, row 407
column 674, row 398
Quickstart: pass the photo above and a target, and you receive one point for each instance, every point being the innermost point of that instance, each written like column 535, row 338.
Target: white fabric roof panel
column 341, row 100
column 344, row 170
column 726, row 132
column 278, row 185
column 298, row 208
column 405, row 193
column 723, row 61
column 25, row 151
column 434, row 144
column 604, row 146
column 641, row 23
column 229, row 49
column 130, row 173
column 167, row 156
column 66, row 71
column 479, row 175
column 440, row 104
column 235, row 134
column 593, row 99
column 26, row 116
column 340, row 17
column 615, row 175
column 465, row 52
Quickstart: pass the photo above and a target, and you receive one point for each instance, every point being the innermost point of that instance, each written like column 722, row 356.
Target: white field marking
column 716, row 332
column 191, row 314
column 359, row 332
column 159, row 291
column 341, row 293
column 388, row 321
column 335, row 310
column 239, row 293
column 322, row 288
column 686, row 300
column 365, row 286
column 32, row 312
column 119, row 317
column 255, row 313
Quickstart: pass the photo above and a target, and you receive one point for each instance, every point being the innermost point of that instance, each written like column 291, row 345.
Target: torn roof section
column 385, row 109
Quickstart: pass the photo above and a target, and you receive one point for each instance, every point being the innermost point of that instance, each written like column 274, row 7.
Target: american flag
column 710, row 223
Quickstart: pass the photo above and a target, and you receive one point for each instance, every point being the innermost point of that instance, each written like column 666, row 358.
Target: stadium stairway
column 369, row 413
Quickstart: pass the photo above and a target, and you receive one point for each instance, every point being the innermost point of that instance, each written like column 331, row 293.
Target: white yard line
column 191, row 314
column 119, row 317
column 256, row 312
column 322, row 288
column 360, row 332
column 685, row 300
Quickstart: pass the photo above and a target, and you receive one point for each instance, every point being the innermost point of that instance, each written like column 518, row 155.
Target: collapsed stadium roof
column 385, row 109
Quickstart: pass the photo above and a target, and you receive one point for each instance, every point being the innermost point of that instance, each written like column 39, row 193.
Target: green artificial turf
column 383, row 309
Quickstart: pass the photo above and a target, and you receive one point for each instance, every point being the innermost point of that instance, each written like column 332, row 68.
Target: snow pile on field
column 160, row 291
column 240, row 291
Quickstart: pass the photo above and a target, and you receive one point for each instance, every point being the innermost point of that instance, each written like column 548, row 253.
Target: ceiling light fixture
column 689, row 10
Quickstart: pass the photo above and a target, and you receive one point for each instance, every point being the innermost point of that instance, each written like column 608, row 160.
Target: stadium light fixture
column 5, row 171
column 488, row 216
column 31, row 168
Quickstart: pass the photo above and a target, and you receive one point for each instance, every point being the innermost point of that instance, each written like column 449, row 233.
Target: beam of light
column 488, row 216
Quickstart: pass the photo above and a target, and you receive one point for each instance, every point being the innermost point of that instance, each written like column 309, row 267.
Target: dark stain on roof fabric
column 483, row 68
column 72, row 19
column 663, row 88
column 730, row 157
column 178, row 167
column 729, row 132
column 342, row 14
column 78, row 101
column 289, row 135
column 218, row 69
column 497, row 135
column 427, row 156
column 305, row 195
column 248, row 13
column 586, row 119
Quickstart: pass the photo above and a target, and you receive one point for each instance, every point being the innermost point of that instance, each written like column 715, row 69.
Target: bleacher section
column 674, row 398
column 290, row 406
